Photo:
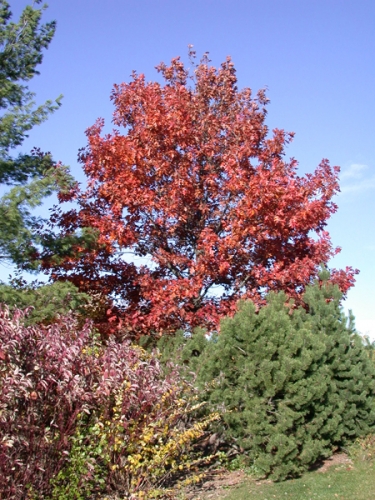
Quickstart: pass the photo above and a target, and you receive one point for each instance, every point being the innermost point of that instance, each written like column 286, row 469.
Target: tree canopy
column 192, row 180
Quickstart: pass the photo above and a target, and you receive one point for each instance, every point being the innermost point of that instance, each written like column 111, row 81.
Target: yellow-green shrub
column 137, row 456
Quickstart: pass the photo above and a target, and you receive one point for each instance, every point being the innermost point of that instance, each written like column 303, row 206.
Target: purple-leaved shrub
column 78, row 417
column 44, row 385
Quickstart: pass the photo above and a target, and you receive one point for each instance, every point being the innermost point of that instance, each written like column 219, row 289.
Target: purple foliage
column 48, row 376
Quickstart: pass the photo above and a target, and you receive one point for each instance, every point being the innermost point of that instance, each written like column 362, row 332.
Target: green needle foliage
column 294, row 383
column 48, row 301
column 21, row 46
column 33, row 176
column 30, row 177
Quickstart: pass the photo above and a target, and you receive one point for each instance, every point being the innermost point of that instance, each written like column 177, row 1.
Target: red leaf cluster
column 192, row 179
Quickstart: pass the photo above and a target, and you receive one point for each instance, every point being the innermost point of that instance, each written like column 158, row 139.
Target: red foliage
column 192, row 179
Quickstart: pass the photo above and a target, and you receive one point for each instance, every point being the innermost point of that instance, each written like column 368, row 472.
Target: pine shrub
column 46, row 301
column 294, row 383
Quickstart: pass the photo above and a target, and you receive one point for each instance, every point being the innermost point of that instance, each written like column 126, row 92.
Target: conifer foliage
column 295, row 384
column 35, row 175
column 192, row 180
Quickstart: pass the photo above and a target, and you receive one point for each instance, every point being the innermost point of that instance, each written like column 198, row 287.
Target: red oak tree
column 192, row 179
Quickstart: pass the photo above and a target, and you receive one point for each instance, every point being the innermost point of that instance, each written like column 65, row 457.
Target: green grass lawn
column 343, row 482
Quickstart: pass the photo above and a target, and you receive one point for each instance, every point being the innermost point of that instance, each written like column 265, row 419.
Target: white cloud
column 355, row 171
column 355, row 179
column 363, row 185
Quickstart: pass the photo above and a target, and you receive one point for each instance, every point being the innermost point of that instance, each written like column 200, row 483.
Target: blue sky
column 316, row 57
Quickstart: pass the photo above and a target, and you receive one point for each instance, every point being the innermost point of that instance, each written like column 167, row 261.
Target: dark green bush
column 295, row 383
column 47, row 300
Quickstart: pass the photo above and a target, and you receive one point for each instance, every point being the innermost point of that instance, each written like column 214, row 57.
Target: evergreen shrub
column 294, row 383
column 78, row 417
column 46, row 301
